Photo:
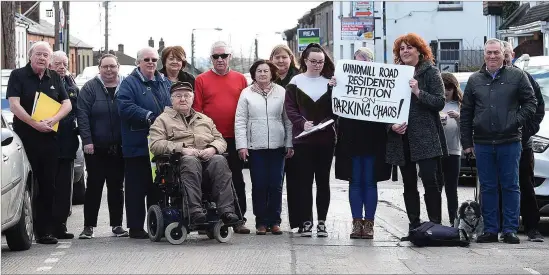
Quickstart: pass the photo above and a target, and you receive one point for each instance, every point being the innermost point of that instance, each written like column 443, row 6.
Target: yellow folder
column 45, row 107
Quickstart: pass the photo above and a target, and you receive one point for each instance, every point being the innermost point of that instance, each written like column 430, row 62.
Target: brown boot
column 275, row 230
column 368, row 229
column 261, row 230
column 356, row 232
column 241, row 229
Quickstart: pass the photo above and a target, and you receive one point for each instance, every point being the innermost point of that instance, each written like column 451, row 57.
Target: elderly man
column 67, row 138
column 39, row 137
column 193, row 134
column 529, row 209
column 497, row 102
column 141, row 98
column 217, row 93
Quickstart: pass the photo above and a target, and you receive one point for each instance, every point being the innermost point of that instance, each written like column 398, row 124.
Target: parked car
column 17, row 191
column 538, row 67
column 79, row 185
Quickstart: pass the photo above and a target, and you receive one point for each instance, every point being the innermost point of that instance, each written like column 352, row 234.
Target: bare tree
column 8, row 35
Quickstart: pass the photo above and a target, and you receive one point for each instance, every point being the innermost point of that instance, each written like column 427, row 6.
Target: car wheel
column 19, row 237
column 79, row 192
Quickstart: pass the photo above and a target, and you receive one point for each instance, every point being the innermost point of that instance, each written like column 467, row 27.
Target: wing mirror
column 7, row 137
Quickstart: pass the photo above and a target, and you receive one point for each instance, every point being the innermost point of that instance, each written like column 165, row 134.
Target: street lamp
column 192, row 42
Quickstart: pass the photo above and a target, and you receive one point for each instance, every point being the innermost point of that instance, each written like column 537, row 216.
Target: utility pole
column 106, row 5
column 66, row 38
column 57, row 16
column 192, row 51
column 384, row 34
column 8, row 35
column 256, row 50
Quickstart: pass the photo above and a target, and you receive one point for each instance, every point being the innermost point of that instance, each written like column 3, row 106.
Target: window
column 353, row 50
column 450, row 5
column 449, row 51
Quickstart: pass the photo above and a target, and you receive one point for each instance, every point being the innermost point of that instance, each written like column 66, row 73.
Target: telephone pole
column 256, row 50
column 57, row 16
column 106, row 5
column 8, row 35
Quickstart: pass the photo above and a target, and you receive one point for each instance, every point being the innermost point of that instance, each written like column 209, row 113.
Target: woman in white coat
column 264, row 137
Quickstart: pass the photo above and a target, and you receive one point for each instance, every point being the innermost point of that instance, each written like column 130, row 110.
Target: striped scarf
column 255, row 88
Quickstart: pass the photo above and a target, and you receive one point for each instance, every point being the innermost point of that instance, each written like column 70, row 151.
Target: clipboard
column 315, row 128
column 45, row 107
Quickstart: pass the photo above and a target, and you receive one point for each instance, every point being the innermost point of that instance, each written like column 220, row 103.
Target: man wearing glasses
column 216, row 95
column 141, row 98
column 67, row 138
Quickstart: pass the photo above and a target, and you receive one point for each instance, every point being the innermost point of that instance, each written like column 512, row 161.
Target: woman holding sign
column 421, row 141
column 308, row 103
column 360, row 159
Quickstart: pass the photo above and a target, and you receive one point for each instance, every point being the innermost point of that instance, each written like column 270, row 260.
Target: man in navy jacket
column 141, row 98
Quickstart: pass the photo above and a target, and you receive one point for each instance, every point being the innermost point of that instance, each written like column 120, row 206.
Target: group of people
column 218, row 123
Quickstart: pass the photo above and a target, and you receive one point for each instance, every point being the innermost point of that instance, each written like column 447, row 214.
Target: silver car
column 17, row 190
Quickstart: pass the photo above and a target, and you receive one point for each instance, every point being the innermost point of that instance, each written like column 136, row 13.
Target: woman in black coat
column 174, row 60
column 420, row 142
column 360, row 159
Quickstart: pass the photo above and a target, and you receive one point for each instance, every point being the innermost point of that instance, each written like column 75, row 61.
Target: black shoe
column 47, row 239
column 534, row 236
column 64, row 235
column 511, row 238
column 138, row 234
column 198, row 218
column 229, row 218
column 411, row 227
column 307, row 229
column 488, row 238
column 87, row 233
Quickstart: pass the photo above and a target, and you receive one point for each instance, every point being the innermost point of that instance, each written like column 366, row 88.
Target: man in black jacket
column 497, row 102
column 67, row 138
column 529, row 209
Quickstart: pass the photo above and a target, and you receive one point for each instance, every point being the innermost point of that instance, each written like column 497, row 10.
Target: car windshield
column 541, row 75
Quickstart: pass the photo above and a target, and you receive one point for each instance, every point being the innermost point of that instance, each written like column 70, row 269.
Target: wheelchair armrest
column 161, row 158
column 225, row 155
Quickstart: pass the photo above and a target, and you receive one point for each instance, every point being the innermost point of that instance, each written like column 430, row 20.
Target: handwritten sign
column 372, row 91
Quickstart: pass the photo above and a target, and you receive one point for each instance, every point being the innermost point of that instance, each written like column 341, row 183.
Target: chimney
column 121, row 48
column 151, row 42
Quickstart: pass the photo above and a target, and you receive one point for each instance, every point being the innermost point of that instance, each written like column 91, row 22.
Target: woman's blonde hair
column 283, row 47
column 366, row 53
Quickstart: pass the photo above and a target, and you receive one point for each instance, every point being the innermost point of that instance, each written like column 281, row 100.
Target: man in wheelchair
column 194, row 135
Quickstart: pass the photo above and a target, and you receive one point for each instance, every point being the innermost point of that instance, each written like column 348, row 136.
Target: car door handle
column 5, row 158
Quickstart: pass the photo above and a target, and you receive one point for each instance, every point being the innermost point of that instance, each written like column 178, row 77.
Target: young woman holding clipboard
column 308, row 103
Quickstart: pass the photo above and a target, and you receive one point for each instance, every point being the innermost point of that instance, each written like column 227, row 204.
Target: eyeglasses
column 185, row 96
column 217, row 56
column 150, row 59
column 316, row 63
column 106, row 67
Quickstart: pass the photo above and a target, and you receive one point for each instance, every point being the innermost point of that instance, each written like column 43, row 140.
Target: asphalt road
column 284, row 254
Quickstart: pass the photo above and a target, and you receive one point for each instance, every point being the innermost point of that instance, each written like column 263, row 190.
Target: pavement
column 284, row 254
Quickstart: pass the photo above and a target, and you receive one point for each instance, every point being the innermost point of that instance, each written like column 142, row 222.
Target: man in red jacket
column 216, row 95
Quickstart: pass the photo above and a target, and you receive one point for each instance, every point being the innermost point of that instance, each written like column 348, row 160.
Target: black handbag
column 432, row 234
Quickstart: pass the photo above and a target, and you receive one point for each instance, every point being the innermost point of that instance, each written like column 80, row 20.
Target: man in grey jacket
column 497, row 102
column 529, row 209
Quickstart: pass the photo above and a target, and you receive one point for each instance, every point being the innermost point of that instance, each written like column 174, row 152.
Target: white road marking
column 64, row 246
column 44, row 268
column 58, row 253
column 531, row 271
column 51, row 260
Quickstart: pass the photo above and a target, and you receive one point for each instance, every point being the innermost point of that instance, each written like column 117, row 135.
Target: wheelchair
column 170, row 217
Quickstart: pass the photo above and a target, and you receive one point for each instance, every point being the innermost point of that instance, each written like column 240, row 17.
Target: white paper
column 316, row 128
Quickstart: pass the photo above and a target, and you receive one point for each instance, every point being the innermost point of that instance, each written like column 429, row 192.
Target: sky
column 133, row 23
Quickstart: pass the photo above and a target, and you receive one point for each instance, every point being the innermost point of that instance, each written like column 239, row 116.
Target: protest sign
column 372, row 91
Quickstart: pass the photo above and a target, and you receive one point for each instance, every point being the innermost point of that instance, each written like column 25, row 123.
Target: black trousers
column 529, row 209
column 450, row 168
column 42, row 151
column 63, row 194
column 431, row 178
column 138, row 184
column 309, row 163
column 103, row 167
column 236, row 165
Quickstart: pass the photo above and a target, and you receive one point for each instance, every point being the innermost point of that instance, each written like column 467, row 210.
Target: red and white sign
column 363, row 8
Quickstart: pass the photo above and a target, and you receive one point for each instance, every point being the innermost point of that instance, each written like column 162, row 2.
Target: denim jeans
column 267, row 172
column 499, row 163
column 363, row 188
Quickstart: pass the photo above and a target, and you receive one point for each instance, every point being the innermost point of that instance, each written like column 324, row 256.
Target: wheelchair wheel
column 175, row 236
column 210, row 234
column 155, row 223
column 222, row 233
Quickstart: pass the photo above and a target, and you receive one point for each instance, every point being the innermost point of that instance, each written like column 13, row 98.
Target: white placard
column 372, row 91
